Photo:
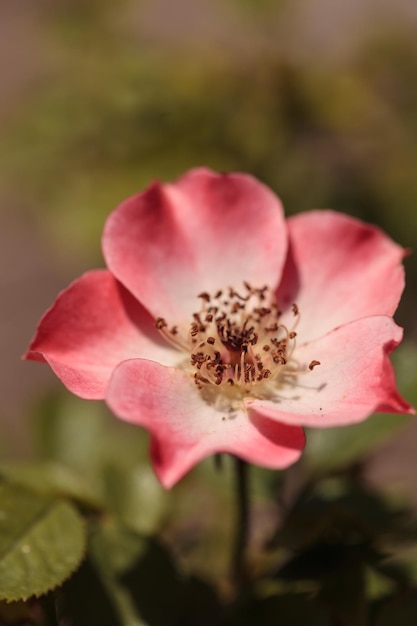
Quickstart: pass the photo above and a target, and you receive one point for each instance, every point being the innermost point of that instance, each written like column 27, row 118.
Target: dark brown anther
column 243, row 298
column 278, row 358
column 239, row 326
column 277, row 342
column 313, row 364
column 262, row 311
column 198, row 379
column 160, row 323
column 174, row 330
column 271, row 329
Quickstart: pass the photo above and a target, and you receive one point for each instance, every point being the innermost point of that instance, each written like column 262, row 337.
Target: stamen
column 160, row 323
column 221, row 342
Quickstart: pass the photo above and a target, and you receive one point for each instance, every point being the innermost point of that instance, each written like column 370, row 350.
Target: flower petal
column 204, row 232
column 92, row 326
column 338, row 270
column 354, row 379
column 186, row 429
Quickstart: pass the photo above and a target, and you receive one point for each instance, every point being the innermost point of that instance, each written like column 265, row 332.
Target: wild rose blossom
column 220, row 327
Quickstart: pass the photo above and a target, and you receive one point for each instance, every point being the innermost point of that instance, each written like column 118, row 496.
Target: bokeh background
column 317, row 98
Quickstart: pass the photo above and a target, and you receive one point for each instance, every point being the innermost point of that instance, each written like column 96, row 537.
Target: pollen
column 238, row 344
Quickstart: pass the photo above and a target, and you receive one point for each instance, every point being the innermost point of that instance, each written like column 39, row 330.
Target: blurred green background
column 318, row 98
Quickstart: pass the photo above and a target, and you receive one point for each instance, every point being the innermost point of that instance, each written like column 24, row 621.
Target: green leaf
column 42, row 542
column 53, row 479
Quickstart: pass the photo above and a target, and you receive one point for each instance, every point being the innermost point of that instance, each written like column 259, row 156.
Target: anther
column 160, row 323
column 271, row 329
column 238, row 323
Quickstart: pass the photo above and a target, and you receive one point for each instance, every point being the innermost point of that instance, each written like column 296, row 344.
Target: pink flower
column 219, row 327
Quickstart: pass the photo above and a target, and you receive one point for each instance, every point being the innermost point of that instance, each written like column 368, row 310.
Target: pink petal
column 186, row 429
column 339, row 269
column 204, row 232
column 355, row 378
column 92, row 326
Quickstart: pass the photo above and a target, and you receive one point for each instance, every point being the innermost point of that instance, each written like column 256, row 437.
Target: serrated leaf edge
column 40, row 593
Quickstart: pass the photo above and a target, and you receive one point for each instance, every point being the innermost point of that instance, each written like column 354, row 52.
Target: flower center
column 238, row 343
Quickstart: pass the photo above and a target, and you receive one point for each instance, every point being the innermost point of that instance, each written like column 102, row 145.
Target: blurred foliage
column 42, row 542
column 337, row 448
column 115, row 115
column 112, row 113
column 329, row 548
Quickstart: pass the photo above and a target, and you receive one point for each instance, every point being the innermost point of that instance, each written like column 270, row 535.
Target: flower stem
column 239, row 565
